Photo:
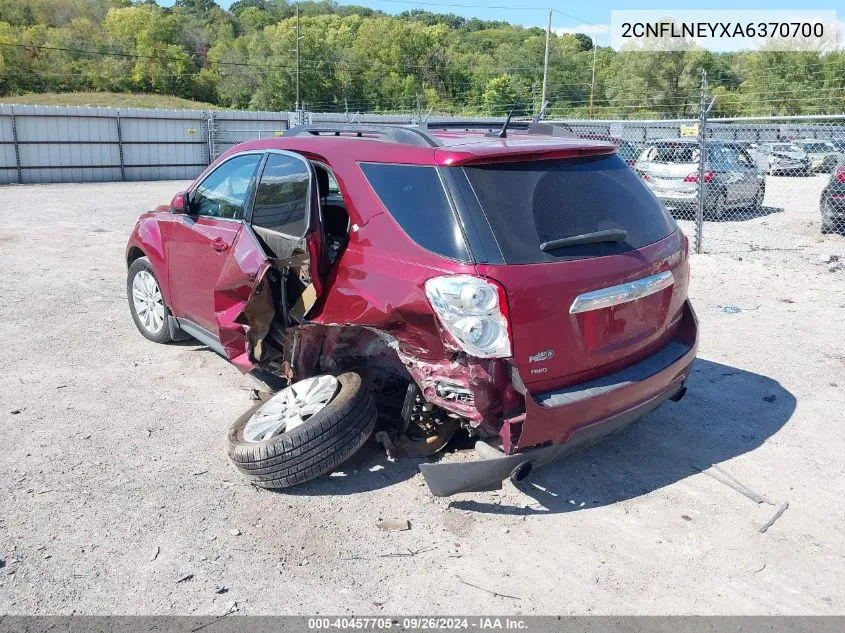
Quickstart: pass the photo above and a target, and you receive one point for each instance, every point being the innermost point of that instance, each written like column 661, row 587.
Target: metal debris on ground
column 395, row 525
column 185, row 578
column 155, row 553
column 490, row 591
column 731, row 481
column 774, row 518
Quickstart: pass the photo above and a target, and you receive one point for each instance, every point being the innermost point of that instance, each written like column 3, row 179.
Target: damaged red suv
column 522, row 284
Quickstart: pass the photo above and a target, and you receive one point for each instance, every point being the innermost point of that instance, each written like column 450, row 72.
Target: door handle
column 219, row 245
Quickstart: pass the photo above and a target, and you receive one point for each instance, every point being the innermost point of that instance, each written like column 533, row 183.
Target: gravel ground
column 117, row 497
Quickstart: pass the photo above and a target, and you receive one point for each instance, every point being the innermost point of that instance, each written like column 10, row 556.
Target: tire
column 717, row 211
column 316, row 447
column 161, row 334
column 757, row 204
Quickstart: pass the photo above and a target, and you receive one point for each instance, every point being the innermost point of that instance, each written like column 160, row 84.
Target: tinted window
column 415, row 198
column 530, row 203
column 818, row 148
column 223, row 193
column 679, row 153
column 281, row 200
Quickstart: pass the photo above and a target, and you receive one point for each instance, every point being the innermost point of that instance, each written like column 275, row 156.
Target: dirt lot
column 117, row 497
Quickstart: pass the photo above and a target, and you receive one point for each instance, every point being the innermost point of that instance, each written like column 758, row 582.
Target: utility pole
column 546, row 61
column 593, row 82
column 297, row 58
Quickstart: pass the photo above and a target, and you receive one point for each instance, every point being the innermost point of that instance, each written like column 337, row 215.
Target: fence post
column 210, row 125
column 702, row 160
column 120, row 148
column 17, row 149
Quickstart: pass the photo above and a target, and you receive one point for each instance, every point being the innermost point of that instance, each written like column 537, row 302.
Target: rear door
column 283, row 236
column 563, row 333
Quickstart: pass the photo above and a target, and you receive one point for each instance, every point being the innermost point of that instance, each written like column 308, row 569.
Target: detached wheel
column 302, row 432
column 146, row 303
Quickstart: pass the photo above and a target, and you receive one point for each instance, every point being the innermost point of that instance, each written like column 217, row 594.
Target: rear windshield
column 530, row 203
column 672, row 153
column 818, row 147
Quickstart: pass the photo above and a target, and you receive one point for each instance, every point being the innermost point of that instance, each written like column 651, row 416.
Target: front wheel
column 717, row 209
column 146, row 303
column 757, row 204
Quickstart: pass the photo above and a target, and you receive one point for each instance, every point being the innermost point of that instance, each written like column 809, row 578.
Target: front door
column 199, row 242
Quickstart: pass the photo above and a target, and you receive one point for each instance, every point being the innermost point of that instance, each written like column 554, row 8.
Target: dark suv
column 521, row 284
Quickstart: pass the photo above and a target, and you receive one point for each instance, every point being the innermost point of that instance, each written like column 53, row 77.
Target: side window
column 281, row 201
column 223, row 193
column 415, row 198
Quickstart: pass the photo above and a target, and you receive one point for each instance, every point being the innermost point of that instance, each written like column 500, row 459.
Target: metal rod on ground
column 702, row 160
column 546, row 59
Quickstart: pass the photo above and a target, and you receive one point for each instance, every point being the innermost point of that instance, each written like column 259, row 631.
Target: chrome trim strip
column 623, row 293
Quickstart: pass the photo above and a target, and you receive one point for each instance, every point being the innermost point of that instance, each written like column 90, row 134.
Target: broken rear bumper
column 569, row 418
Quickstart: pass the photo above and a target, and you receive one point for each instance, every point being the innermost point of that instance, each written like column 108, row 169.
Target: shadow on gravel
column 731, row 215
column 741, row 215
column 368, row 469
column 726, row 412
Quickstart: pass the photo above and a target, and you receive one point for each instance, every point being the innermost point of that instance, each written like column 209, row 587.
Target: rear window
column 672, row 153
column 415, row 198
column 530, row 203
column 818, row 148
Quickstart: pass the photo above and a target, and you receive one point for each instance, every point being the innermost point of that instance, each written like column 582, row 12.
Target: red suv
column 521, row 284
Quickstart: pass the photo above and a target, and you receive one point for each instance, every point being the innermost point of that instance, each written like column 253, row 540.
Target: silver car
column 732, row 179
column 784, row 158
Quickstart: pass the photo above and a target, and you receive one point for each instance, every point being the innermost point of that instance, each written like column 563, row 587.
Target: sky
column 591, row 16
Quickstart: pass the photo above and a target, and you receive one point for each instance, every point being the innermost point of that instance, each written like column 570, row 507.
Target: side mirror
column 179, row 204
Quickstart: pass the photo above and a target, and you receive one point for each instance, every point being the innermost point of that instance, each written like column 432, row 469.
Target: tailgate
column 575, row 320
column 594, row 269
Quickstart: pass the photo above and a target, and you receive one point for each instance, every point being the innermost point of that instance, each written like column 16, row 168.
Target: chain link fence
column 732, row 184
column 738, row 184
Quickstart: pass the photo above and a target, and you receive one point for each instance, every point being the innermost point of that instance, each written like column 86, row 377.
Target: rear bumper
column 558, row 422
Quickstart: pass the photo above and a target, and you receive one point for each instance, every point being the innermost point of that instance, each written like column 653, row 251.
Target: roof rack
column 405, row 135
column 545, row 129
column 421, row 135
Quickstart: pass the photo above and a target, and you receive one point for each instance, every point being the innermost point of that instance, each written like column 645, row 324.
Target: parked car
column 784, row 158
column 627, row 151
column 524, row 286
column 823, row 154
column 731, row 177
column 832, row 202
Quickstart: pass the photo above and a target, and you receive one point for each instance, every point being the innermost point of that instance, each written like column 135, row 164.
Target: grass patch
column 108, row 99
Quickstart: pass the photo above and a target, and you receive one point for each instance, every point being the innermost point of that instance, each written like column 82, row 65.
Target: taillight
column 646, row 177
column 708, row 177
column 474, row 312
column 840, row 175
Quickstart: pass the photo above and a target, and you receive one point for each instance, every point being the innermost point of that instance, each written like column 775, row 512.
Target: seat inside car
column 333, row 212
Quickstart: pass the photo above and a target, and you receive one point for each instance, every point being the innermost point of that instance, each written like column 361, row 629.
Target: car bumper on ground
column 557, row 423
